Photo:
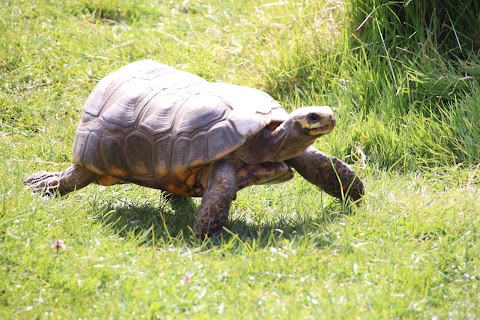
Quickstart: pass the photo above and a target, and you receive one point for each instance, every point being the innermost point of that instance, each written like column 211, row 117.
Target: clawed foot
column 212, row 231
column 43, row 182
column 215, row 237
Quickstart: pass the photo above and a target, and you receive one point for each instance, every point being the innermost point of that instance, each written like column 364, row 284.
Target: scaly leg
column 52, row 183
column 216, row 201
column 329, row 173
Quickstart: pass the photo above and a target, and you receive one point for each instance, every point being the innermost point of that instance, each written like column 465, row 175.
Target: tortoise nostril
column 313, row 117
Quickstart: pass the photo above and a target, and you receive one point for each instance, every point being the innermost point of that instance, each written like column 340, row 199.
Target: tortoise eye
column 313, row 117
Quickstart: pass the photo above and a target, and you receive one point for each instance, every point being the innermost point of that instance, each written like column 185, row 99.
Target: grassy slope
column 411, row 251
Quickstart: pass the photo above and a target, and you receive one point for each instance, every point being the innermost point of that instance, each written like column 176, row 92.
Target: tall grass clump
column 429, row 46
column 399, row 69
column 425, row 54
column 303, row 43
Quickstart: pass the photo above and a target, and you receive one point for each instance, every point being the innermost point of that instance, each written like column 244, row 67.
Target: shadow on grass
column 172, row 222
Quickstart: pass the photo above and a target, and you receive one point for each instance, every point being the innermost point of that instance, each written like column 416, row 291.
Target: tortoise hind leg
column 52, row 183
column 329, row 173
column 221, row 191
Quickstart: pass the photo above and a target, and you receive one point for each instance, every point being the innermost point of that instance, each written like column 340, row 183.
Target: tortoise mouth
column 322, row 130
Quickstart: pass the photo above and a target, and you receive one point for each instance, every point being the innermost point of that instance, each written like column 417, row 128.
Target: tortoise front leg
column 329, row 173
column 216, row 201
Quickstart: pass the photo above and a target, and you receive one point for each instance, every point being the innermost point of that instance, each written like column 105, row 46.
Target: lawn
column 407, row 101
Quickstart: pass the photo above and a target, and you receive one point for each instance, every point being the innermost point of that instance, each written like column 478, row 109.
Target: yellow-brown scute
column 108, row 180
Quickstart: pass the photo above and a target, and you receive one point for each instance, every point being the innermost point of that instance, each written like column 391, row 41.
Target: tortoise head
column 313, row 121
column 290, row 138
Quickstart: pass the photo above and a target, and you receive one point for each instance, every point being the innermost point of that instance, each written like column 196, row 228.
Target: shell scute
column 162, row 152
column 139, row 151
column 92, row 160
column 122, row 113
column 179, row 158
column 159, row 113
column 222, row 139
column 112, row 151
column 104, row 91
column 198, row 113
column 198, row 152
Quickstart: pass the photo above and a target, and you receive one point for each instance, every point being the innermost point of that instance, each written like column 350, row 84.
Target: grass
column 407, row 107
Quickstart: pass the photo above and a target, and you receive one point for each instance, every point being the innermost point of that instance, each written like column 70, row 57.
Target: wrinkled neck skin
column 287, row 141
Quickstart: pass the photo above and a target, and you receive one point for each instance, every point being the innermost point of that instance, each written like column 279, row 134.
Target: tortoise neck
column 292, row 140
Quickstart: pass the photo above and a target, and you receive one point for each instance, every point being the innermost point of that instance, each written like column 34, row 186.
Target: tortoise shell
column 157, row 126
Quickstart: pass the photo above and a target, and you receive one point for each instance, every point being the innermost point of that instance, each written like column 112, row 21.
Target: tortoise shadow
column 173, row 222
column 147, row 222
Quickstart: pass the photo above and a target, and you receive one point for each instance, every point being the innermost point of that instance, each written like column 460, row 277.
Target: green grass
column 407, row 104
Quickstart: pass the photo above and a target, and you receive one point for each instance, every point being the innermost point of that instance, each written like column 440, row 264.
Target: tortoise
column 153, row 125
